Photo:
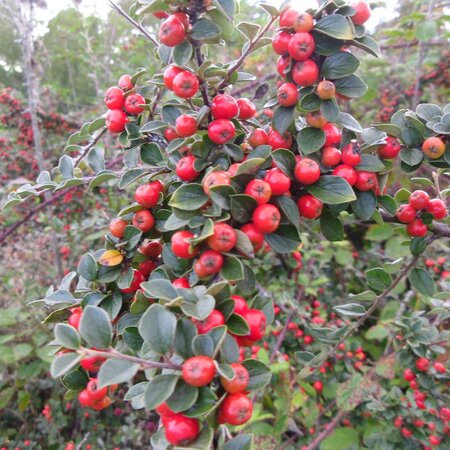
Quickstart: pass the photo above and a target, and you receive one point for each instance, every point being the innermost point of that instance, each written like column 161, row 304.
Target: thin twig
column 327, row 431
column 86, row 149
column 114, row 354
column 134, row 23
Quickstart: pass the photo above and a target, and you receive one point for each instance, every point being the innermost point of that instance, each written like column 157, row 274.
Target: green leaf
column 95, row 327
column 203, row 345
column 330, row 110
column 350, row 310
column 370, row 163
column 151, row 153
column 342, row 439
column 132, row 236
column 421, row 280
column 249, row 30
column 368, row 44
column 428, row 111
column 426, row 30
column 285, row 161
column 349, row 122
column 87, row 267
column 244, row 245
column 227, row 7
column 364, row 296
column 282, row 118
column 378, row 279
column 233, row 269
column 289, row 209
column 160, row 289
column 242, row 206
column 260, row 374
column 199, row 309
column 237, row 325
column 157, row 327
column 310, row 140
column 331, row 227
column 205, row 29
column 114, row 371
column 364, row 205
column 335, row 26
column 96, row 159
column 241, row 442
column 159, row 389
column 182, row 53
column 183, row 397
column 340, row 65
column 351, row 86
column 67, row 336
column 332, row 190
column 189, row 197
column 350, row 393
column 284, row 240
column 63, row 364
column 411, row 156
column 185, row 333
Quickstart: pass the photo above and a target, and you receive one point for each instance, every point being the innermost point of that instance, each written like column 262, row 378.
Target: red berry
column 180, row 245
column 422, row 364
column 439, row 367
column 366, row 181
column 94, row 392
column 114, row 98
column 405, row 213
column 436, row 207
column 172, row 32
column 215, row 319
column 331, row 156
column 351, row 154
column 223, row 239
column 138, row 278
column 247, row 109
column 217, row 178
column 258, row 137
column 409, row 375
column 116, row 120
column 309, row 206
column 318, row 386
column 240, row 304
column 133, row 102
column 147, row 195
column 198, row 370
column 276, row 140
column 389, row 150
column 185, row 125
column 280, row 42
column 278, row 181
column 151, row 249
column 266, row 218
column 347, row 172
column 287, row 94
column 169, row 74
column 221, row 131
column 257, row 323
column 185, row 168
column 239, row 382
column 260, row 190
column 283, row 64
column 333, row 134
column 362, row 12
column 301, row 46
column 211, row 262
column 419, row 200
column 180, row 430
column 224, row 106
column 307, row 171
column 170, row 134
column 254, row 235
column 416, row 228
column 143, row 220
column 125, row 82
column 236, row 409
column 305, row 73
column 181, row 283
column 185, row 84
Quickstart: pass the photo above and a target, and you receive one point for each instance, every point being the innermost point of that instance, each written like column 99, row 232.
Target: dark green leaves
column 282, row 118
column 87, row 267
column 205, row 29
column 115, row 371
column 157, row 327
column 378, row 279
column 335, row 26
column 189, row 197
column 421, row 280
column 332, row 190
column 63, row 363
column 351, row 86
column 159, row 389
column 95, row 327
column 340, row 65
column 350, row 310
column 310, row 140
column 67, row 336
column 331, row 226
column 259, row 374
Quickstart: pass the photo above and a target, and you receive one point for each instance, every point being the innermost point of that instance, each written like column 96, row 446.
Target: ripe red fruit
column 138, row 278
column 181, row 283
column 92, row 364
column 276, row 140
column 257, row 323
column 433, row 147
column 146, row 267
column 434, row 440
column 114, row 98
column 351, row 154
column 287, row 17
column 422, row 364
column 133, row 102
column 362, row 12
column 215, row 319
column 280, row 42
column 247, row 109
column 236, row 409
column 258, row 137
column 305, row 73
column 315, row 119
column 185, row 84
column 169, row 74
column 266, row 218
column 366, row 181
column 211, row 262
column 287, row 94
column 170, row 134
column 180, row 430
column 405, row 213
column 416, row 228
column 347, row 172
column 143, row 220
column 185, row 125
column 75, row 317
column 331, row 156
column 409, row 375
column 239, row 382
column 303, row 22
column 406, row 433
column 85, row 399
column 221, row 131
column 318, row 386
column 183, row 18
column 151, row 249
column 180, row 245
column 260, row 190
column 94, row 392
column 439, row 367
column 147, row 195
column 240, row 304
column 326, row 90
column 223, row 239
column 185, row 168
column 301, row 46
column 282, row 65
column 164, row 411
column 436, row 207
column 172, row 32
column 307, row 171
column 309, row 206
column 217, row 178
column 278, row 181
column 419, row 200
column 255, row 236
column 198, row 371
column 224, row 106
column 125, row 82
column 389, row 150
column 116, row 120
column 333, row 135
column 117, row 227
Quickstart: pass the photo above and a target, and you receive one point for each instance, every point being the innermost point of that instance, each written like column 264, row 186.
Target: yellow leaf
column 111, row 258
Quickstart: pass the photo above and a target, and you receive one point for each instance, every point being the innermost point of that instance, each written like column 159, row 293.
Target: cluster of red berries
column 411, row 213
column 438, row 266
column 173, row 29
column 93, row 397
column 47, row 412
column 235, row 409
column 122, row 100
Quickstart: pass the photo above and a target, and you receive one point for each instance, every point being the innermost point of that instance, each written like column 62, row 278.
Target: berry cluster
column 420, row 208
